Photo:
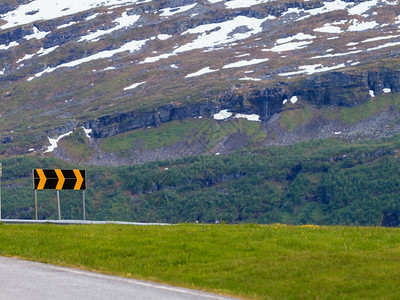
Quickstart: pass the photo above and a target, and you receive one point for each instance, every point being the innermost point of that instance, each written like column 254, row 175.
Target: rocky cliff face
column 111, row 125
column 332, row 89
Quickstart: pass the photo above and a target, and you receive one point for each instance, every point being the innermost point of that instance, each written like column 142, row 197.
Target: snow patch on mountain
column 250, row 79
column 54, row 142
column 253, row 117
column 47, row 51
column 131, row 47
column 92, row 17
column 67, row 25
column 225, row 114
column 217, row 34
column 26, row 57
column 211, row 36
column 361, row 26
column 233, row 4
column 336, row 54
column 371, row 93
column 170, row 11
column 299, row 37
column 363, row 7
column 10, row 45
column 380, row 38
column 312, row 69
column 331, row 6
column 49, row 9
column 88, row 132
column 163, row 37
column 222, row 115
column 153, row 59
column 201, row 72
column 41, row 52
column 37, row 34
column 289, row 46
column 387, row 45
column 329, row 28
column 124, row 21
column 134, row 86
column 326, row 8
column 245, row 63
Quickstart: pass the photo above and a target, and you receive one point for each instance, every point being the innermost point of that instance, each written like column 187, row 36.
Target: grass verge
column 252, row 261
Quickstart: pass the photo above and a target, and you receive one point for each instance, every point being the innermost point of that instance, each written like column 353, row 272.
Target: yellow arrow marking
column 79, row 180
column 61, row 179
column 42, row 178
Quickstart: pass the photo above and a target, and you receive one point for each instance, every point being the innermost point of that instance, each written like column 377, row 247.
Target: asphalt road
column 20, row 279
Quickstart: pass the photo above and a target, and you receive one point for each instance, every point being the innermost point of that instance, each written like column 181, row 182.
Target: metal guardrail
column 75, row 222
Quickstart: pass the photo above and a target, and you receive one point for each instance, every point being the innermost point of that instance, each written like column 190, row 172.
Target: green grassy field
column 249, row 261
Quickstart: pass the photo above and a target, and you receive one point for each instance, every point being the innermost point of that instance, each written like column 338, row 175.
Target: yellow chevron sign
column 57, row 179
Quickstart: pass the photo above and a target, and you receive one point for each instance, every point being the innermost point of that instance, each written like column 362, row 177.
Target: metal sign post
column 35, row 204
column 58, row 205
column 83, row 205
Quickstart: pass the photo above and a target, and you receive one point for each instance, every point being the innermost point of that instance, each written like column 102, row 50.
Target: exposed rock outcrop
column 112, row 125
column 333, row 89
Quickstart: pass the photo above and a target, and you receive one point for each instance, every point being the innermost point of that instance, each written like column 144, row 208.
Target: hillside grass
column 205, row 130
column 152, row 138
column 250, row 261
column 291, row 118
column 366, row 110
column 76, row 146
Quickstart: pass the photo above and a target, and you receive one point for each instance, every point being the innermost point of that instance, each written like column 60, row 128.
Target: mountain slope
column 149, row 86
column 115, row 66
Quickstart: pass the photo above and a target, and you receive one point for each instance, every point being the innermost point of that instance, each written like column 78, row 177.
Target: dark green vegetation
column 252, row 261
column 317, row 182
